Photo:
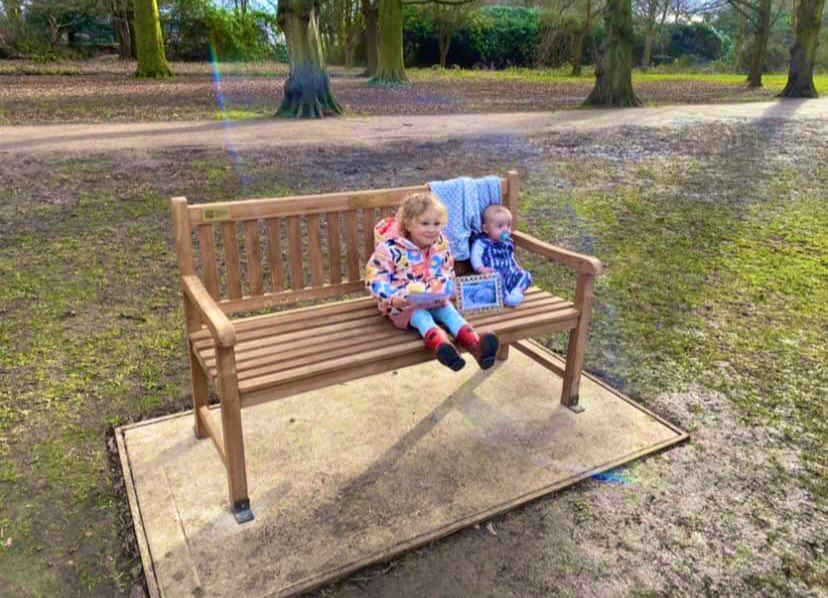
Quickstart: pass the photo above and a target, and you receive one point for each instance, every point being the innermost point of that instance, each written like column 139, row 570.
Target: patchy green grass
column 729, row 295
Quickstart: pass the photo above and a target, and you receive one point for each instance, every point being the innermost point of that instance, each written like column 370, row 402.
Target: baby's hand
column 485, row 270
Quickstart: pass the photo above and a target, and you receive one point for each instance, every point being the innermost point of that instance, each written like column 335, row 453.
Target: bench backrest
column 254, row 254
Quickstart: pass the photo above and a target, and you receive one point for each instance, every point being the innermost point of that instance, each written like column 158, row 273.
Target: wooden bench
column 253, row 359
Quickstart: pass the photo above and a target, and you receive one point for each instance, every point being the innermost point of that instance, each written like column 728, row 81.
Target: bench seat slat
column 285, row 322
column 272, row 351
column 282, row 349
column 382, row 336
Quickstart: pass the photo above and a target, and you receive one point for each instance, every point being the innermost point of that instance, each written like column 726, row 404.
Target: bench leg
column 199, row 385
column 231, row 425
column 503, row 352
column 577, row 344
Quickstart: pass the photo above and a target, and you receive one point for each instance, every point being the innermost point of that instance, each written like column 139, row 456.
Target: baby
column 493, row 252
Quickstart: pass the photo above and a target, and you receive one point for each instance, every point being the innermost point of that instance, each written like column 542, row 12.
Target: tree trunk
column 803, row 53
column 760, row 44
column 152, row 62
column 307, row 89
column 391, row 66
column 578, row 51
column 443, row 41
column 120, row 23
column 371, row 14
column 613, row 70
column 649, row 36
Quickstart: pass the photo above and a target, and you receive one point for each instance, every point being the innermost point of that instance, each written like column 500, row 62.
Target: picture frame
column 479, row 292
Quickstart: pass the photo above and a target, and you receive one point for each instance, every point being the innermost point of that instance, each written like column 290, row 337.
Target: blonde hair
column 417, row 204
column 494, row 210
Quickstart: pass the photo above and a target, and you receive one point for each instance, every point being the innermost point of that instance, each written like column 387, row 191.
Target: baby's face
column 497, row 224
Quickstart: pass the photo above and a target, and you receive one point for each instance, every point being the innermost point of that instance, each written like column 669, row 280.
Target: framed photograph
column 479, row 292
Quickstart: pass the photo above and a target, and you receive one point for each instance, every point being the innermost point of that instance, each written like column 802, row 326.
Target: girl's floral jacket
column 397, row 262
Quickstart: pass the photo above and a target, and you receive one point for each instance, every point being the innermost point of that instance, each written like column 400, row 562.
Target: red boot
column 483, row 347
column 437, row 340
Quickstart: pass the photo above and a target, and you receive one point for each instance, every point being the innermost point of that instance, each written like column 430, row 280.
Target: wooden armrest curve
column 216, row 320
column 580, row 262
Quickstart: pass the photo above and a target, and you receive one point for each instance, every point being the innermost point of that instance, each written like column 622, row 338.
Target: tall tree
column 580, row 35
column 307, row 89
column 391, row 65
column 122, row 18
column 370, row 15
column 613, row 69
column 758, row 13
column 349, row 25
column 803, row 53
column 152, row 61
column 651, row 9
column 446, row 19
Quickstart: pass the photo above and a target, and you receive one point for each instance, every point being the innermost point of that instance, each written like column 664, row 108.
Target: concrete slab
column 349, row 475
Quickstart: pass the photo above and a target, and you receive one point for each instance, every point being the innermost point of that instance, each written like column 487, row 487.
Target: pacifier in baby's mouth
column 505, row 236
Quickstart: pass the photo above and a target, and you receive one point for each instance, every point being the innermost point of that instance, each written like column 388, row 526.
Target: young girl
column 411, row 274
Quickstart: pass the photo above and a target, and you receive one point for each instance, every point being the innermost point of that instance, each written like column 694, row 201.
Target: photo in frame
column 479, row 292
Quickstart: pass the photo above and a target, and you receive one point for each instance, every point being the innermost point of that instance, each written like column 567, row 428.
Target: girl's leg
column 436, row 339
column 450, row 317
column 483, row 347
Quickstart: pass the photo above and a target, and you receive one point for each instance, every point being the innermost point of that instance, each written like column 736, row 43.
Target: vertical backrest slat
column 315, row 250
column 352, row 243
column 368, row 222
column 231, row 260
column 386, row 211
column 207, row 248
column 511, row 199
column 274, row 254
column 254, row 258
column 295, row 254
column 334, row 248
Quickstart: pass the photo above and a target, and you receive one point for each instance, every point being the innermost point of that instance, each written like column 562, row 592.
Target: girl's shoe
column 437, row 340
column 482, row 347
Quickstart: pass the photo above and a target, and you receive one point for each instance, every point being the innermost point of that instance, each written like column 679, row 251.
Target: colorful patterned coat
column 397, row 263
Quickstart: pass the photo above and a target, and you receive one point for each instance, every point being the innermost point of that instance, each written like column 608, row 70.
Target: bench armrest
column 217, row 321
column 578, row 261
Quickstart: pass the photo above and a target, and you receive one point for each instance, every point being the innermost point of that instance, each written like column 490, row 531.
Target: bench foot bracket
column 242, row 512
column 575, row 408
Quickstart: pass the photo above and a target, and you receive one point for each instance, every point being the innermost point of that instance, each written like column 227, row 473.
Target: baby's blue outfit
column 500, row 255
column 424, row 319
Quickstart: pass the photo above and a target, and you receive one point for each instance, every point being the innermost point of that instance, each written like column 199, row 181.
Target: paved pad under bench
column 349, row 475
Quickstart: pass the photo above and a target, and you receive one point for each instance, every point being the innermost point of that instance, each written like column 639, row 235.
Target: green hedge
column 502, row 36
column 499, row 36
column 192, row 27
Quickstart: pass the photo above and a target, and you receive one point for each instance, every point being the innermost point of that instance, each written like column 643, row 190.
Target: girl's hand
column 485, row 270
column 400, row 302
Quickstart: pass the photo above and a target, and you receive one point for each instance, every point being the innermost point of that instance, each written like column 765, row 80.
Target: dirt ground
column 712, row 313
column 105, row 92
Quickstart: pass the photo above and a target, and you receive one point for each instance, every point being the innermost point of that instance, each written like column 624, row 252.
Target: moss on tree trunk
column 391, row 67
column 803, row 53
column 307, row 89
column 152, row 61
column 613, row 70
